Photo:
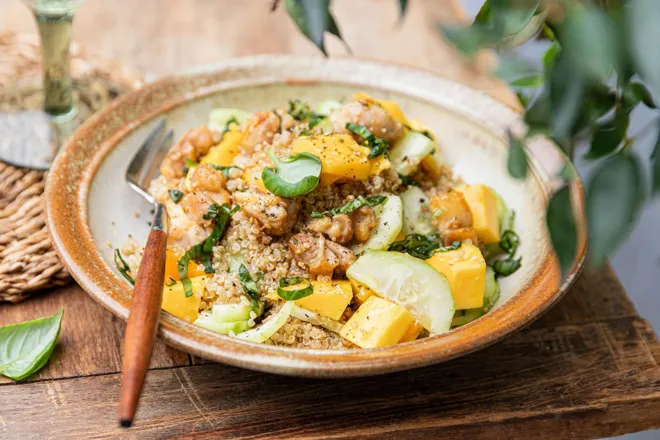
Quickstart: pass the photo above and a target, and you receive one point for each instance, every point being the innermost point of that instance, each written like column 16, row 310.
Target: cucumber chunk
column 406, row 155
column 268, row 328
column 208, row 322
column 231, row 312
column 462, row 317
column 219, row 117
column 492, row 291
column 416, row 215
column 390, row 222
column 327, row 107
column 409, row 282
column 316, row 319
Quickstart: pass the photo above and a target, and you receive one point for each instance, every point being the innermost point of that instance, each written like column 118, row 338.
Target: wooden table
column 588, row 368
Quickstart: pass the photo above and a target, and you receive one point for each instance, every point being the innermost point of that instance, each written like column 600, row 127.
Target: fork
column 148, row 291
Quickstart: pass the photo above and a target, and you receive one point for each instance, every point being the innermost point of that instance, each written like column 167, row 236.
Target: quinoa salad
column 335, row 226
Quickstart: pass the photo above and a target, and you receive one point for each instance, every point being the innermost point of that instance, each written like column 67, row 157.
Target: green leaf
column 589, row 38
column 467, row 40
column 176, row 195
column 517, row 160
column 292, row 295
column 506, row 267
column 561, row 226
column 518, row 72
column 123, row 267
column 377, row 146
column 513, row 15
column 537, row 117
column 642, row 20
column 403, row 7
column 566, row 90
column 614, row 196
column 351, row 206
column 249, row 285
column 26, row 347
column 634, row 93
column 313, row 18
column 293, row 175
column 484, row 15
column 551, row 54
column 655, row 164
column 608, row 135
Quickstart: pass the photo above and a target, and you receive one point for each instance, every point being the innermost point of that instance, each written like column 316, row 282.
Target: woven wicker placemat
column 28, row 262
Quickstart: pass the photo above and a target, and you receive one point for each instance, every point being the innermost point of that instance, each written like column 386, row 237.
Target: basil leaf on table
column 26, row 347
column 293, row 175
column 292, row 295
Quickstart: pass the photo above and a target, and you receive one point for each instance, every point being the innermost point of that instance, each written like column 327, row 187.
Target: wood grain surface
column 587, row 369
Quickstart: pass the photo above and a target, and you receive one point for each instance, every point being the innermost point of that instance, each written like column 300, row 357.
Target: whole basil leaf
column 561, row 225
column 634, row 93
column 403, row 7
column 517, row 71
column 26, row 347
column 293, row 175
column 468, row 40
column 642, row 18
column 537, row 116
column 517, row 160
column 513, row 15
column 551, row 54
column 615, row 194
column 608, row 136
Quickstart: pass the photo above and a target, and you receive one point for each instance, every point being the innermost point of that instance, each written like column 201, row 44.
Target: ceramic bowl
column 91, row 209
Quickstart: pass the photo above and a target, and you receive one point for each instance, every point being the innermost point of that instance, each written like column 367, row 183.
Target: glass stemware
column 32, row 137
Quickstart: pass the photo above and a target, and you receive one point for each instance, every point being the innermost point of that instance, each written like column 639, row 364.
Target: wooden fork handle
column 142, row 324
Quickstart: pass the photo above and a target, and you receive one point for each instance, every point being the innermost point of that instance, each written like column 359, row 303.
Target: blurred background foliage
column 601, row 64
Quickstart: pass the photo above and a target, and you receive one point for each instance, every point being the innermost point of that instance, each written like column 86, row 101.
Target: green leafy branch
column 602, row 63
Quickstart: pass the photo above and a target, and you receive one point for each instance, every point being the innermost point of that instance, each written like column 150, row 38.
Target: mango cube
column 465, row 269
column 483, row 204
column 361, row 292
column 377, row 323
column 341, row 157
column 176, row 302
column 171, row 270
column 224, row 153
column 413, row 332
column 329, row 299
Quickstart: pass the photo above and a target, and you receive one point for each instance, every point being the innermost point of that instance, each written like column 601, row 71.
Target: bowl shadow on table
column 566, row 365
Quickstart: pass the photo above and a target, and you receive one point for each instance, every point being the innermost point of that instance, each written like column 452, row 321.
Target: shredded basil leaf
column 279, row 119
column 204, row 250
column 293, row 175
column 504, row 268
column 422, row 246
column 377, row 146
column 175, row 195
column 300, row 111
column 225, row 170
column 189, row 164
column 171, row 283
column 351, row 206
column 407, row 181
column 230, row 121
column 249, row 285
column 509, row 242
column 123, row 267
column 292, row 295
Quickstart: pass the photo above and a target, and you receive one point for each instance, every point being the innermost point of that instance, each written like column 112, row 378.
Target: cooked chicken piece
column 364, row 222
column 460, row 234
column 311, row 253
column 379, row 122
column 196, row 204
column 206, row 178
column 345, row 256
column 193, row 145
column 275, row 214
column 338, row 228
column 450, row 211
column 183, row 231
column 263, row 126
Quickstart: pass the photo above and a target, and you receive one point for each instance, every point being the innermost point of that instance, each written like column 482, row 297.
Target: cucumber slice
column 219, row 117
column 416, row 215
column 390, row 222
column 268, row 328
column 409, row 282
column 231, row 312
column 208, row 322
column 406, row 155
column 506, row 216
column 462, row 317
column 492, row 292
column 316, row 319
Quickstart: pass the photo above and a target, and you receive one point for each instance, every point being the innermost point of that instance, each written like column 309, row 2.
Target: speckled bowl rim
column 73, row 170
